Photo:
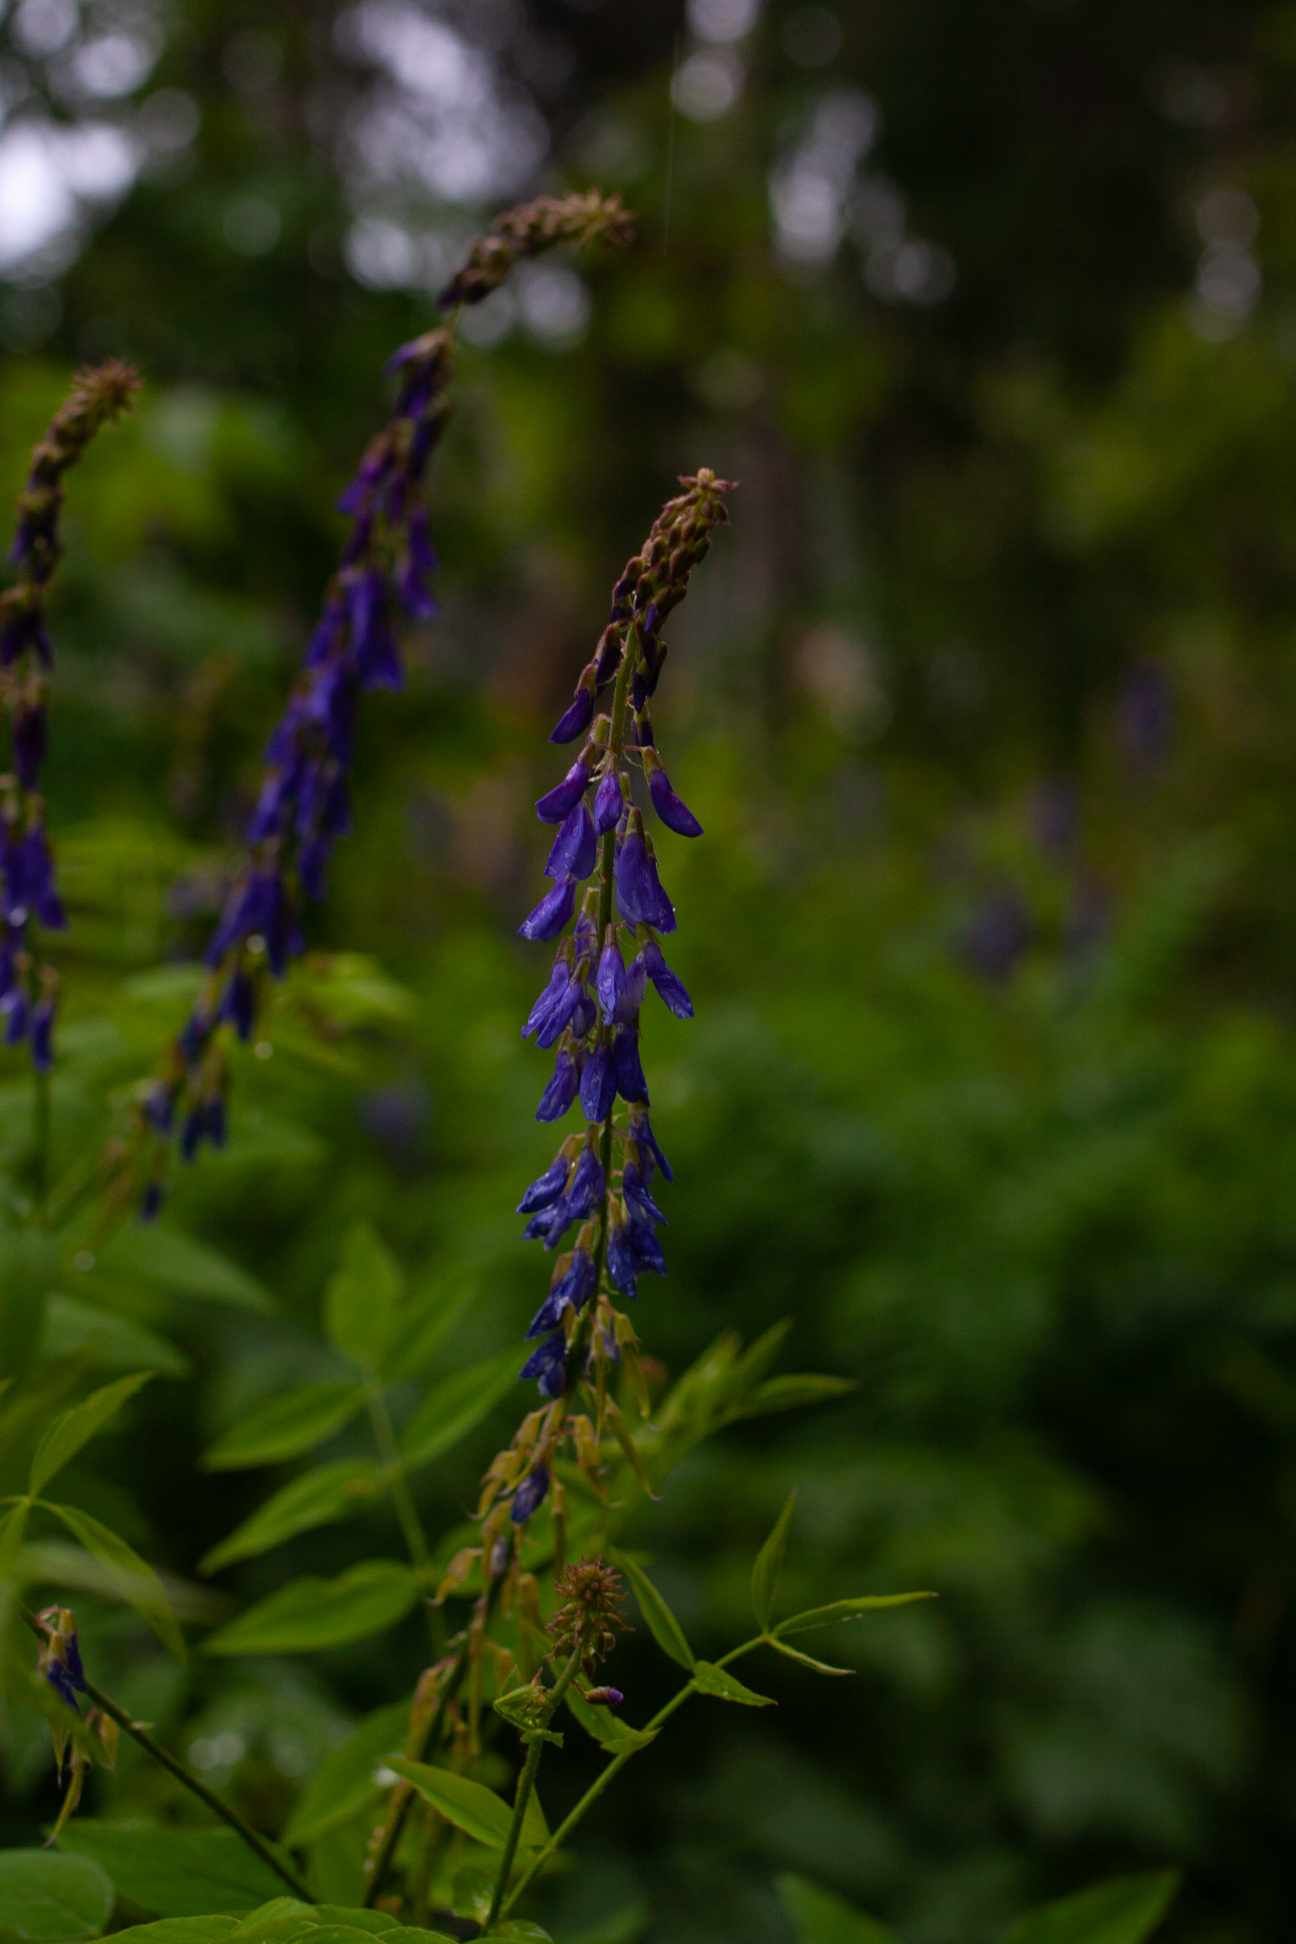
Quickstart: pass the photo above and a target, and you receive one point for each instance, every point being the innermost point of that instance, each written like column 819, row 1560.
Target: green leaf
column 362, row 1298
column 826, row 1616
column 310, row 1614
column 49, row 1898
column 606, row 1726
column 285, row 1426
column 29, row 1272
column 429, row 1318
column 180, row 1930
column 83, row 1330
column 288, row 1921
column 134, row 1580
column 469, row 1806
column 1124, row 1911
column 344, row 1780
column 521, row 1931
column 806, row 1660
column 180, row 1265
column 790, row 1392
column 452, row 1408
column 822, row 1917
column 718, row 1681
column 316, row 1498
column 658, row 1618
column 175, row 1872
column 76, row 1427
column 769, row 1564
column 265, row 1920
column 13, row 1525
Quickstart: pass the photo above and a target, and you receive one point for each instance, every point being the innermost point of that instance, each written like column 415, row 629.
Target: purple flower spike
column 561, row 1091
column 608, row 803
column 670, row 989
column 575, row 846
column 672, row 810
column 529, row 1495
column 552, row 912
column 575, row 718
column 610, row 980
column 598, row 1084
column 570, row 1290
column 640, row 897
column 554, row 805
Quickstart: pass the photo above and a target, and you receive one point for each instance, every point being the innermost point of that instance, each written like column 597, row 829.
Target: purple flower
column 610, row 980
column 554, row 805
column 644, row 1246
column 650, row 1152
column 17, row 1012
column 151, row 1202
column 598, row 1083
column 640, row 897
column 608, row 803
column 626, row 1064
column 549, row 1226
column 670, row 989
column 571, row 1289
column 238, row 1004
column 552, row 912
column 672, row 810
column 621, row 1260
column 585, row 1190
column 575, row 718
column 548, row 1365
column 547, row 1187
column 561, row 1091
column 529, row 1495
column 29, row 882
column 574, row 848
column 637, row 1197
column 159, row 1107
column 417, row 568
column 554, row 1007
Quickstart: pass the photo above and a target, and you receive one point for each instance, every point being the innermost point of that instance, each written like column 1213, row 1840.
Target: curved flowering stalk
column 303, row 806
column 28, row 987
column 600, row 1183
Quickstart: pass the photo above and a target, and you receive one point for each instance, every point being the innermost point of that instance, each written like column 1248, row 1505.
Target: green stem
column 526, row 1783
column 402, row 1497
column 427, row 1741
column 605, row 1776
column 115, row 1712
column 40, row 1142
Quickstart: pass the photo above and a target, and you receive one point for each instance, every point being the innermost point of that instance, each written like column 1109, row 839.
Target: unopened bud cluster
column 529, row 229
column 30, row 898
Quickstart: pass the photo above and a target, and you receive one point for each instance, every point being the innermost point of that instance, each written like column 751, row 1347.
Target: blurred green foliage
column 985, row 704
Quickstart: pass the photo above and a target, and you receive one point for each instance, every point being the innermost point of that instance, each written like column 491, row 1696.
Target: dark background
column 985, row 704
